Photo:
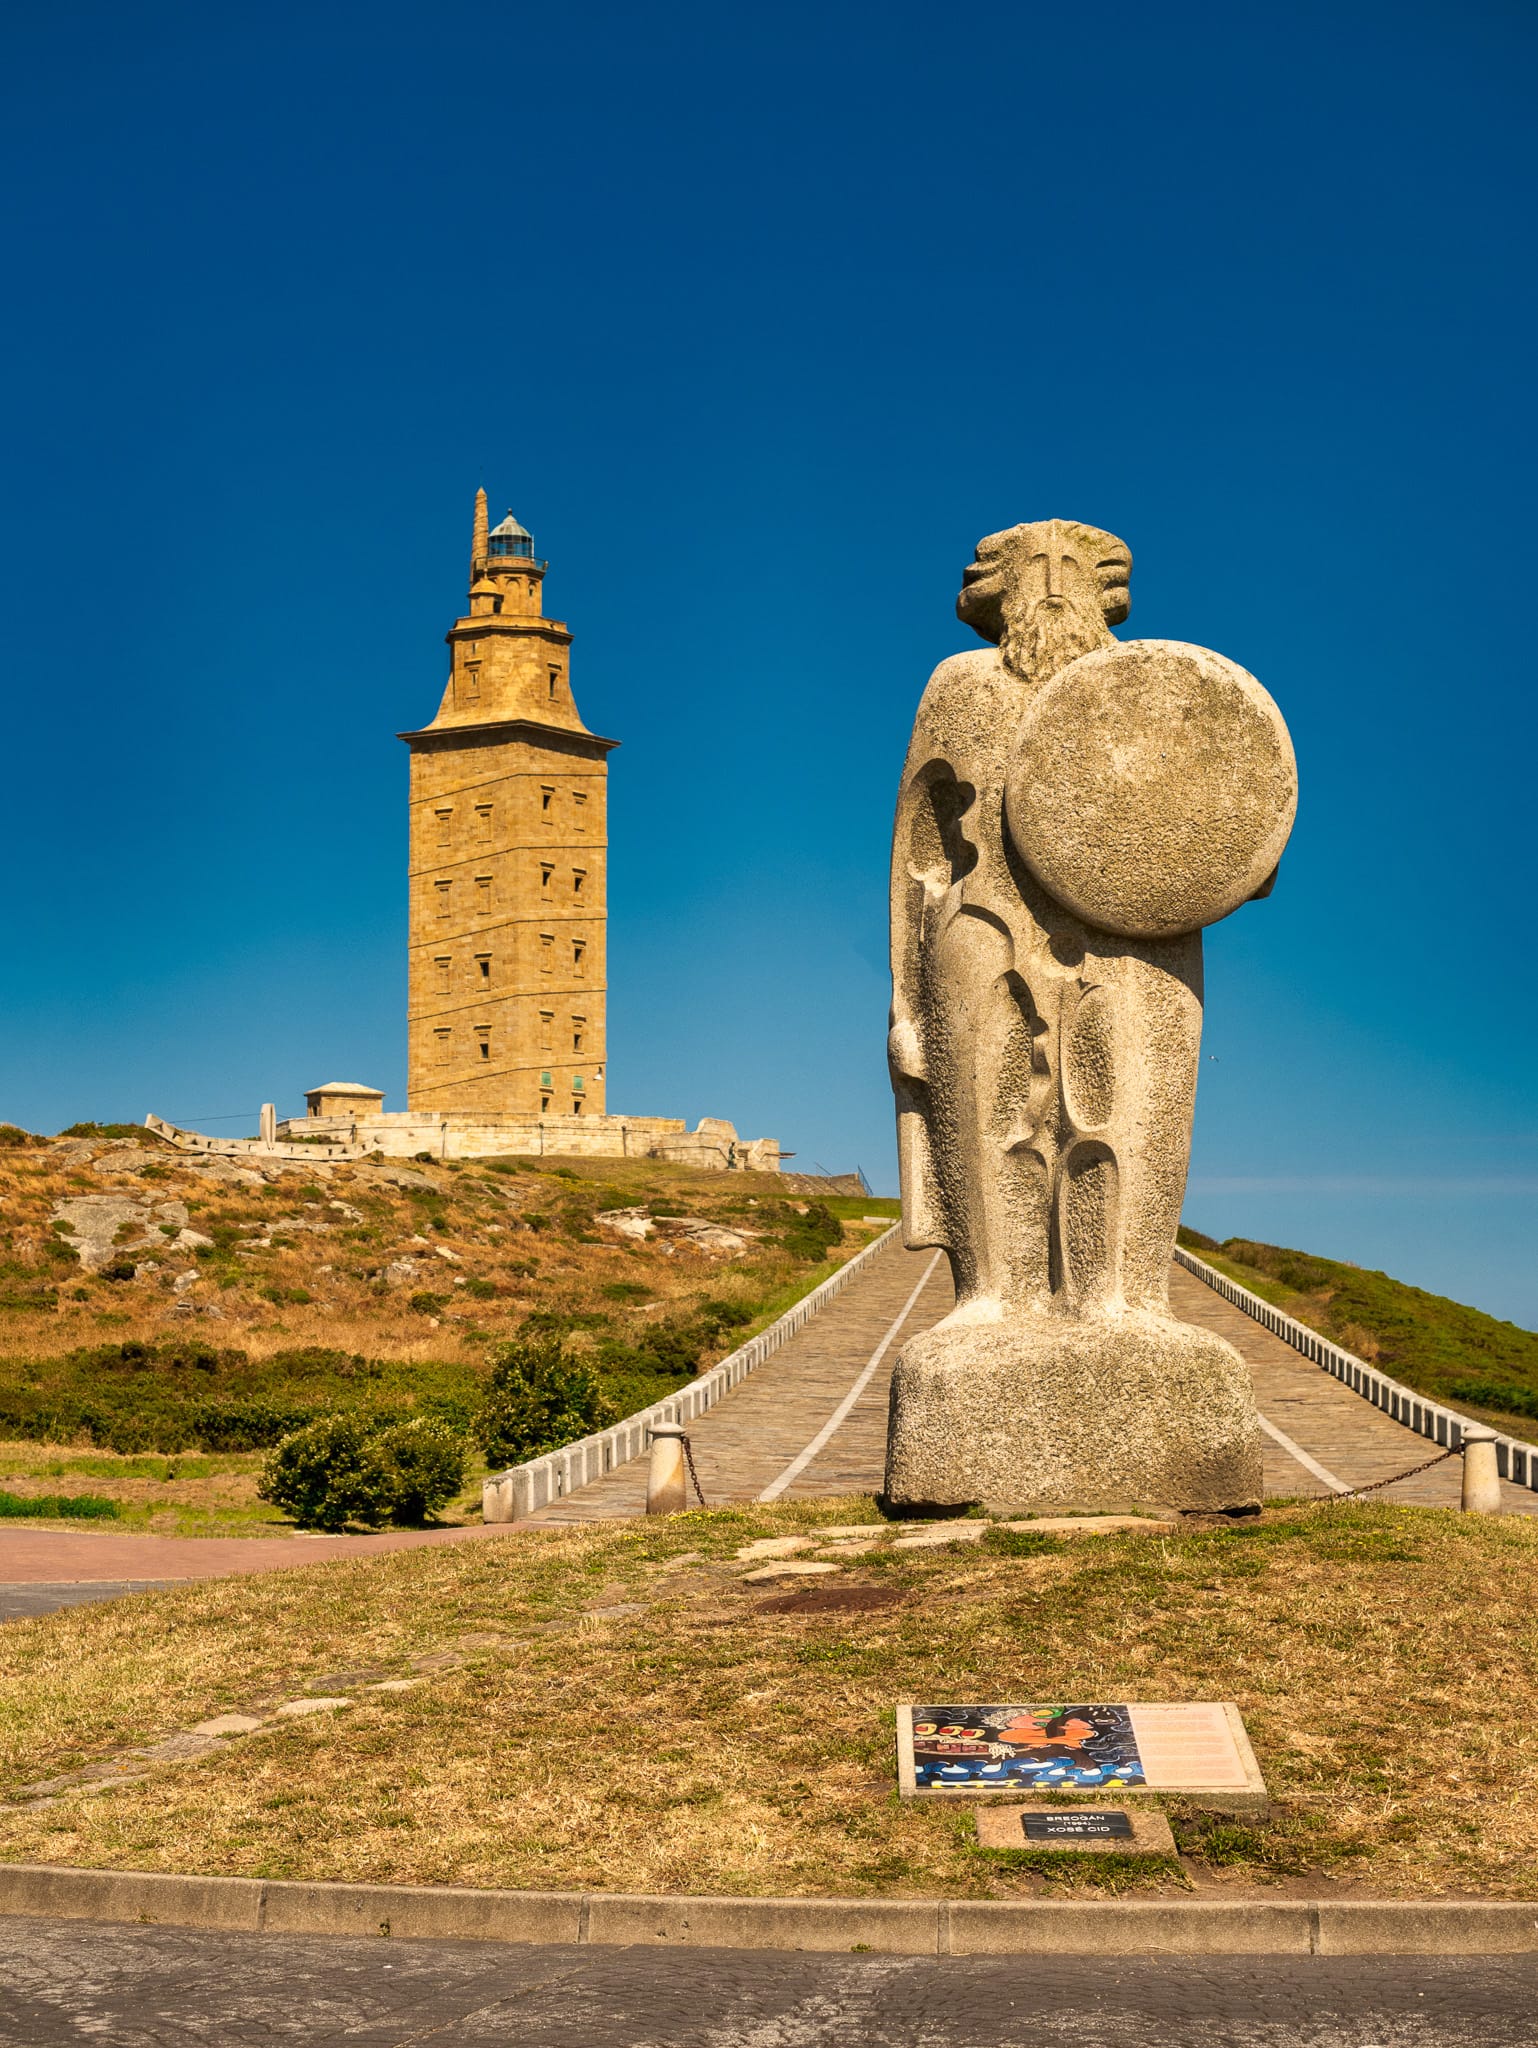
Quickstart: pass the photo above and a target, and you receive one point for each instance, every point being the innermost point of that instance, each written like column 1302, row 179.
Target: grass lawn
column 613, row 1707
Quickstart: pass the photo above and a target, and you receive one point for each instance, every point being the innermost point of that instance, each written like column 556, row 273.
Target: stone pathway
column 756, row 1442
column 138, row 1986
column 1353, row 1441
column 748, row 1442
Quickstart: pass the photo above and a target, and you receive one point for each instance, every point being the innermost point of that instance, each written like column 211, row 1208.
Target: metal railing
column 1516, row 1460
column 509, row 1496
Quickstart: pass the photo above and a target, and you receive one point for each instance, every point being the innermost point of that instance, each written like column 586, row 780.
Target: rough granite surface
column 1073, row 810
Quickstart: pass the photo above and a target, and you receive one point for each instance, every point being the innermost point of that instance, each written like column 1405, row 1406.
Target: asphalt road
column 17, row 1602
column 131, row 1987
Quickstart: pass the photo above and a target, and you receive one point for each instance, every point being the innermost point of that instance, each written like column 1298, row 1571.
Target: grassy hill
column 1440, row 1347
column 165, row 1317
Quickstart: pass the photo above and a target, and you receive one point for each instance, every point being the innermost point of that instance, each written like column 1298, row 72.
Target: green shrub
column 1196, row 1240
column 1496, row 1394
column 80, row 1507
column 537, row 1400
column 118, row 1269
column 425, row 1304
column 12, row 1135
column 424, row 1466
column 482, row 1290
column 812, row 1236
column 327, row 1475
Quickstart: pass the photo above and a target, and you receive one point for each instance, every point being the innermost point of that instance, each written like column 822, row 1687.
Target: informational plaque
column 1201, row 1749
column 1077, row 1826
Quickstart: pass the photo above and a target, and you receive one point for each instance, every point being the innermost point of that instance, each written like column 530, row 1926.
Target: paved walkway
column 146, row 1987
column 58, row 1558
column 771, row 1436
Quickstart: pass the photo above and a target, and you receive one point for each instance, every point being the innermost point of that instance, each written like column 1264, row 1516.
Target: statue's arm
column 910, row 832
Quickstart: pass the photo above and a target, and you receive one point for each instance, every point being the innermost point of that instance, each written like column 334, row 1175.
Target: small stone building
column 344, row 1099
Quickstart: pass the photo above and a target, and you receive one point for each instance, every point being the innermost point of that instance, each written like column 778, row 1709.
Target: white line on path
column 1297, row 1451
column 840, row 1415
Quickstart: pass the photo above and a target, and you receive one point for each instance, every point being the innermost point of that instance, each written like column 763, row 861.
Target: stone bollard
column 666, row 1485
column 1481, row 1474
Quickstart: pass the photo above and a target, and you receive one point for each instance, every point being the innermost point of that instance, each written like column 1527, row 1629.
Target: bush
column 1196, row 1240
column 537, row 1400
column 427, row 1304
column 12, row 1135
column 118, row 1269
column 812, row 1236
column 424, row 1465
column 327, row 1475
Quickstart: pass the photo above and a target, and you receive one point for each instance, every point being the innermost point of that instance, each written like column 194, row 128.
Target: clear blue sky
column 759, row 318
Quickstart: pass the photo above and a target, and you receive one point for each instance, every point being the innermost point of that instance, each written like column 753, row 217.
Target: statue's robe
column 1045, row 1072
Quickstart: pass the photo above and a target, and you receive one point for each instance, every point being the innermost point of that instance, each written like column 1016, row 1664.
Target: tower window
column 555, row 677
column 483, row 1040
column 483, row 968
column 483, row 895
column 547, row 1031
column 544, row 1081
column 578, row 877
column 546, row 801
column 473, row 682
column 578, row 1027
column 545, row 872
column 445, row 820
column 544, row 1105
column 441, row 891
column 579, row 810
column 443, row 967
column 576, row 1105
column 576, row 1082
column 483, row 821
column 546, row 952
column 442, row 1047
column 578, row 955
column 496, row 604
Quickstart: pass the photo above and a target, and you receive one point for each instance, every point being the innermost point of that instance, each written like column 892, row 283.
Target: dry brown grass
column 521, row 1231
column 1384, row 1659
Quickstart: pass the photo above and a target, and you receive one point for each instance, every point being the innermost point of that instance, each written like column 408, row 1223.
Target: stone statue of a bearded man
column 1074, row 810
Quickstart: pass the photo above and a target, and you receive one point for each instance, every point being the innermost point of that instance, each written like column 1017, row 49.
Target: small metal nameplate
column 1076, row 1827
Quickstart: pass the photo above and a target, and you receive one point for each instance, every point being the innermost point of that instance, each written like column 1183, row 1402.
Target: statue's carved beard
column 1039, row 639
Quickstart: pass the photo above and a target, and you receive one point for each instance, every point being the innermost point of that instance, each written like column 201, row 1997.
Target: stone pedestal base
column 1051, row 1416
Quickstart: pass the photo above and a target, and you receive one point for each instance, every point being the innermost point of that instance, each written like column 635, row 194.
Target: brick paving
column 147, row 1987
column 743, row 1445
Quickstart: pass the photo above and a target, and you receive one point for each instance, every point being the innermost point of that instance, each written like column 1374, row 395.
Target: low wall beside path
column 510, row 1496
column 1517, row 1460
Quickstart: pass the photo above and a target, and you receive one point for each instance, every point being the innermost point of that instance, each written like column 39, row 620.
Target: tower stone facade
column 509, row 844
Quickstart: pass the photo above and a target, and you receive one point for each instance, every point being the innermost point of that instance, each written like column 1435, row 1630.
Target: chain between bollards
column 699, row 1490
column 1481, row 1494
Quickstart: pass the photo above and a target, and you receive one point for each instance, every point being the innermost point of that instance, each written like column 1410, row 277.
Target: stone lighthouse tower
column 508, row 851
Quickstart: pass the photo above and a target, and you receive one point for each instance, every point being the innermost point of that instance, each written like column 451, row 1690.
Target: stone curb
column 907, row 1927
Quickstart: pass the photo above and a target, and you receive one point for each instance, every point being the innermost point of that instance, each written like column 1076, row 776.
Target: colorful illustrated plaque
column 1075, row 1747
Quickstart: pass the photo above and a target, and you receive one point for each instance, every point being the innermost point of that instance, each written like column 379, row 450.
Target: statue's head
column 1047, row 591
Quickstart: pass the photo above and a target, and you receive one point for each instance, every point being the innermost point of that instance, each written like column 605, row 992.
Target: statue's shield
column 1152, row 788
